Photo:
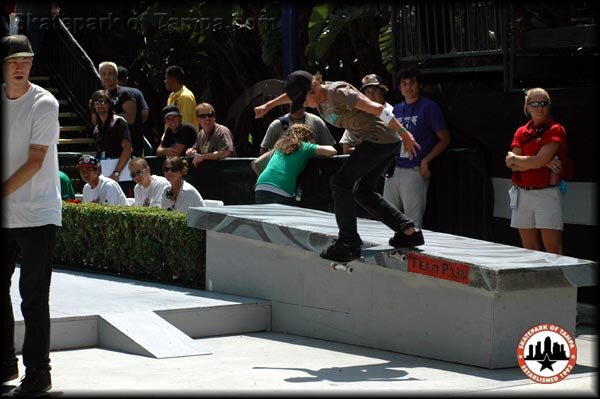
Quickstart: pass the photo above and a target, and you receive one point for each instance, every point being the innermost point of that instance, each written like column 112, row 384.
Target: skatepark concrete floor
column 277, row 364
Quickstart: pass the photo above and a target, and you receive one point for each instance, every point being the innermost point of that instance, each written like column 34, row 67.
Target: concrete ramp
column 145, row 333
column 143, row 318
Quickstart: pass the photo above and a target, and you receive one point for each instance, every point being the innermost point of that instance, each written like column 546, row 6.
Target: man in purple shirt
column 407, row 187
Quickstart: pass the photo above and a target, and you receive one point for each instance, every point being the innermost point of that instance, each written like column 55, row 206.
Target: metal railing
column 74, row 71
column 71, row 67
column 436, row 29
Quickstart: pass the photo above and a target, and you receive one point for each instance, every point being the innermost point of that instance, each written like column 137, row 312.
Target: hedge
column 138, row 242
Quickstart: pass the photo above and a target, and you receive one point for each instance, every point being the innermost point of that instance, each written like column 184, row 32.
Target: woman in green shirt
column 277, row 183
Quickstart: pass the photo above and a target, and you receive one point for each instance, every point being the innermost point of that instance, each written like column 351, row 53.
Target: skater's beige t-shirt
column 338, row 109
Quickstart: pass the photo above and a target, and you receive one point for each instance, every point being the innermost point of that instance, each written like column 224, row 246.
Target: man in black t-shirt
column 124, row 103
column 178, row 136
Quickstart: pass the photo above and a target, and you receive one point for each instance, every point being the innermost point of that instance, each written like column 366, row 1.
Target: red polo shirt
column 552, row 132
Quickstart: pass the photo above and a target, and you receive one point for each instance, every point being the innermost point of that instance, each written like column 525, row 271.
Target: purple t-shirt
column 423, row 119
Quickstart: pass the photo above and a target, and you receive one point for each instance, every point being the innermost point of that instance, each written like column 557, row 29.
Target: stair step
column 39, row 78
column 52, row 89
column 67, row 115
column 73, row 128
column 81, row 140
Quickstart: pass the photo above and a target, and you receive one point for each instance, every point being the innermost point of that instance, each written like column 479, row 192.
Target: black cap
column 122, row 72
column 16, row 46
column 296, row 86
column 170, row 110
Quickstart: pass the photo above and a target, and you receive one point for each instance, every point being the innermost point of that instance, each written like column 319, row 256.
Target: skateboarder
column 343, row 105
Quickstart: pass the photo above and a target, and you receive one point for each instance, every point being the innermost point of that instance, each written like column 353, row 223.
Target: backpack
column 285, row 122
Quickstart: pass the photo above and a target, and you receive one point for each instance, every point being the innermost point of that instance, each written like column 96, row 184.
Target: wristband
column 386, row 116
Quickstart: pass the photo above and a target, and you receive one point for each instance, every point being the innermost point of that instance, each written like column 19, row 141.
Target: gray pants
column 406, row 189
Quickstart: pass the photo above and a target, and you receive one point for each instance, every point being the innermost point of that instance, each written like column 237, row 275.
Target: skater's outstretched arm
column 410, row 144
column 262, row 110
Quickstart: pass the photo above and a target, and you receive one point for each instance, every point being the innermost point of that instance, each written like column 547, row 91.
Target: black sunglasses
column 202, row 116
column 170, row 169
column 536, row 104
column 137, row 172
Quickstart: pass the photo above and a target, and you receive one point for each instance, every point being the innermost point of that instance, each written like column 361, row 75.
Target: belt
column 534, row 188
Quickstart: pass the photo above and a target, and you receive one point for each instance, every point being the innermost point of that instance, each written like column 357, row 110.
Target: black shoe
column 401, row 240
column 339, row 251
column 35, row 383
column 10, row 371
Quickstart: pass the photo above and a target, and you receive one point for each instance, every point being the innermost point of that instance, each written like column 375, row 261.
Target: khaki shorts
column 540, row 209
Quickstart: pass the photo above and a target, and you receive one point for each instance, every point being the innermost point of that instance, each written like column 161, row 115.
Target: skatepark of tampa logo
column 547, row 353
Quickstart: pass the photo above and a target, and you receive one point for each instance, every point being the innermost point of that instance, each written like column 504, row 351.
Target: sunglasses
column 137, row 172
column 100, row 102
column 536, row 104
column 170, row 169
column 202, row 116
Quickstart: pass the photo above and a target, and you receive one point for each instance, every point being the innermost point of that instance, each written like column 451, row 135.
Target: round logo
column 546, row 353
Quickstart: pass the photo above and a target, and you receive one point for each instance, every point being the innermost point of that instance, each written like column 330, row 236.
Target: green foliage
column 147, row 243
column 386, row 43
column 224, row 47
column 329, row 20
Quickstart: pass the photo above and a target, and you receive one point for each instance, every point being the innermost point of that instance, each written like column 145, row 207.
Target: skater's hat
column 296, row 87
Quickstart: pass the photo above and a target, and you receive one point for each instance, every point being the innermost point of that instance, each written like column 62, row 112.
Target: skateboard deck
column 396, row 253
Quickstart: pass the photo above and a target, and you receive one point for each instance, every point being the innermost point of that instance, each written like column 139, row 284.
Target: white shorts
column 540, row 209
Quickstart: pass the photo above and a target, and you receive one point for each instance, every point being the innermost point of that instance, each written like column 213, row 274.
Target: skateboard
column 396, row 253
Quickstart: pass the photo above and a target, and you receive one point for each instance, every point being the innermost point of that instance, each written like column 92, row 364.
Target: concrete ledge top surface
column 488, row 265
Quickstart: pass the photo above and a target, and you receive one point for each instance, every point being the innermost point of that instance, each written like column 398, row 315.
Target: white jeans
column 407, row 191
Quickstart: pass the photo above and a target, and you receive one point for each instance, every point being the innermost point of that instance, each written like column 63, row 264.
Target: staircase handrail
column 71, row 68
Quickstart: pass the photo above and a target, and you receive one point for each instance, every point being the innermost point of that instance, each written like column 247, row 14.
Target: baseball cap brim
column 19, row 55
column 171, row 114
column 298, row 103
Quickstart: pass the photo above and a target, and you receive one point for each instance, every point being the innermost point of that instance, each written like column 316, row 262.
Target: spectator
column 66, row 187
column 31, row 214
column 374, row 89
column 277, row 183
column 180, row 96
column 321, row 133
column 180, row 195
column 406, row 185
column 149, row 188
column 178, row 136
column 111, row 133
column 142, row 109
column 124, row 104
column 214, row 141
column 342, row 105
column 98, row 189
column 538, row 151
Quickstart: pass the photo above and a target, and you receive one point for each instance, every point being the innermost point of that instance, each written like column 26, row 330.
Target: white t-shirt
column 31, row 119
column 152, row 195
column 107, row 191
column 188, row 196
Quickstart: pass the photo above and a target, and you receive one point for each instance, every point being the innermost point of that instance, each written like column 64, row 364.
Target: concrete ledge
column 454, row 299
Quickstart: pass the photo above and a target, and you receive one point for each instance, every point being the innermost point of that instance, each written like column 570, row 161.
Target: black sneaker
column 9, row 372
column 401, row 240
column 339, row 251
column 35, row 383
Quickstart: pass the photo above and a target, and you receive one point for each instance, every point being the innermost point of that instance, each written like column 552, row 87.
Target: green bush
column 131, row 241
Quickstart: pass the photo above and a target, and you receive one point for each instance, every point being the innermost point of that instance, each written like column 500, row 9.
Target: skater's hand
column 410, row 144
column 425, row 172
column 260, row 111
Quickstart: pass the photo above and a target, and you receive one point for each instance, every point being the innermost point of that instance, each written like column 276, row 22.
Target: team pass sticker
column 546, row 353
column 438, row 268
